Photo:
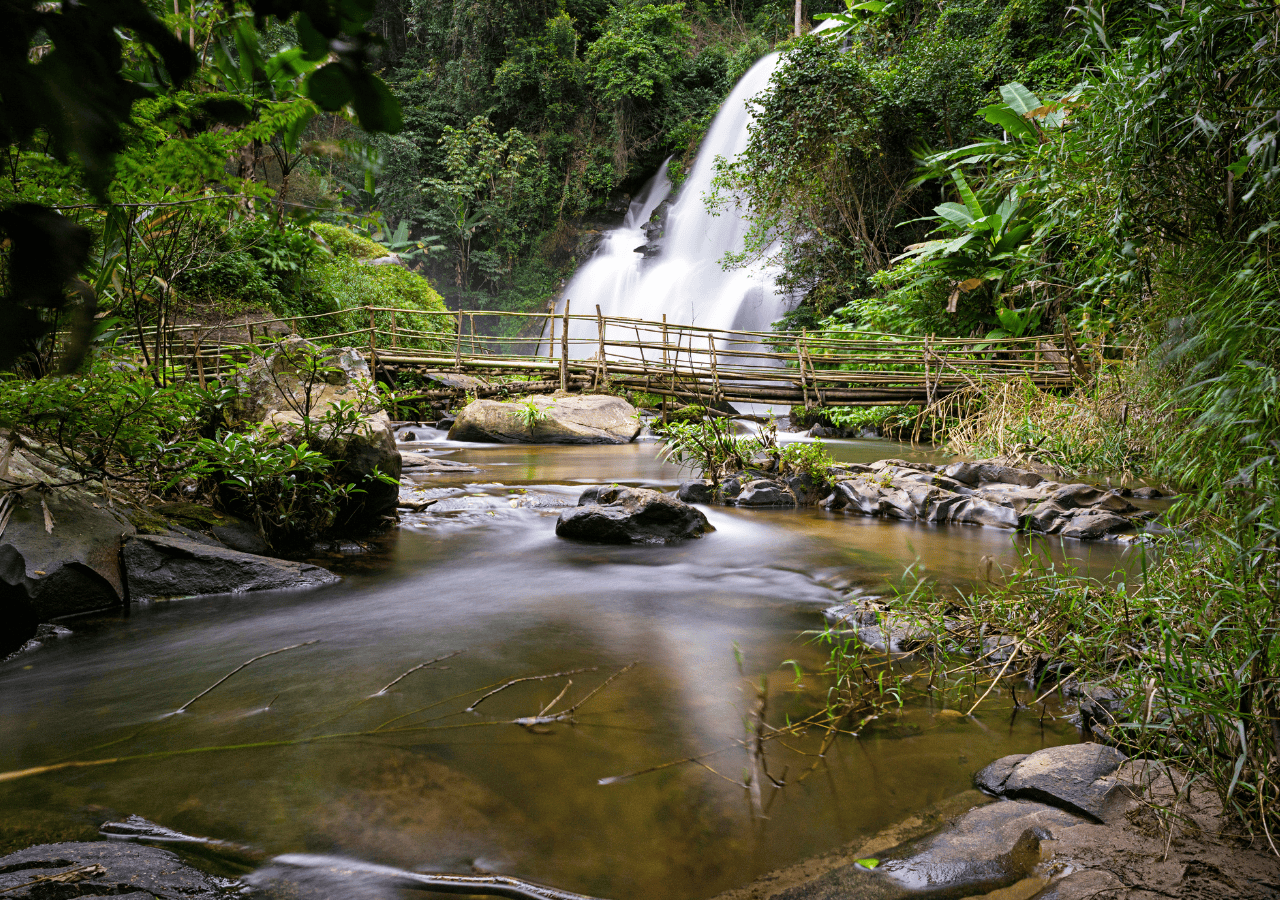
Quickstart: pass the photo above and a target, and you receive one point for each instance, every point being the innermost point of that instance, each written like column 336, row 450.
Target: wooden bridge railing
column 685, row 362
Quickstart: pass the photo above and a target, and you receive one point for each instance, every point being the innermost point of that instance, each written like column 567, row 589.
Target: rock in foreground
column 620, row 515
column 584, row 419
column 97, row 868
column 164, row 565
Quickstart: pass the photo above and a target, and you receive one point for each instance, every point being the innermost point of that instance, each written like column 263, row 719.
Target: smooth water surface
column 408, row 778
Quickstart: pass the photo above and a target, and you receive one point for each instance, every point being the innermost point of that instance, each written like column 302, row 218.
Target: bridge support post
column 564, row 348
column 602, row 367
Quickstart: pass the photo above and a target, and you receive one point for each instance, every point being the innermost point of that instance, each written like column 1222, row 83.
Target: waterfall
column 685, row 280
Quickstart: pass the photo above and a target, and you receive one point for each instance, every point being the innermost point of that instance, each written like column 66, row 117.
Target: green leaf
column 954, row 212
column 868, row 863
column 1000, row 114
column 376, row 107
column 1020, row 100
column 329, row 87
column 1012, row 238
column 967, row 195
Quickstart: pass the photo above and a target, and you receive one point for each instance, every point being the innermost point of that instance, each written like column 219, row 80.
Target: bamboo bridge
column 686, row 363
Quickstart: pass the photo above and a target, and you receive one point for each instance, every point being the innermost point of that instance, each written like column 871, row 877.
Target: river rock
column 61, row 564
column 695, row 492
column 622, row 515
column 126, row 871
column 582, row 419
column 282, row 389
column 1076, row 777
column 764, row 493
column 965, row 493
column 164, row 565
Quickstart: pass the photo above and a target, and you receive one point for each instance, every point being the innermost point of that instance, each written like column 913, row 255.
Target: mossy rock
column 192, row 515
column 147, row 522
column 691, row 413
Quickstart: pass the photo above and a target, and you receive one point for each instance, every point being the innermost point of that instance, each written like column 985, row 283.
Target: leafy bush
column 354, row 286
column 344, row 242
column 809, row 458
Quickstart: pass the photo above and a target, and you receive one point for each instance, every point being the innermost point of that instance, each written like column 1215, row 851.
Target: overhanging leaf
column 1020, row 100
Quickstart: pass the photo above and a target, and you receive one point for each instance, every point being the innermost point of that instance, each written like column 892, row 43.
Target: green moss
column 147, row 522
column 192, row 515
column 343, row 242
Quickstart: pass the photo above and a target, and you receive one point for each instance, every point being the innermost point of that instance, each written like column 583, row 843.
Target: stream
column 313, row 759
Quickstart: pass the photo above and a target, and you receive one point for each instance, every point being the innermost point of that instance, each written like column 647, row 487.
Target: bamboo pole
column 804, row 384
column 664, row 365
column 604, row 365
column 472, row 318
column 564, row 348
column 457, row 345
column 715, row 378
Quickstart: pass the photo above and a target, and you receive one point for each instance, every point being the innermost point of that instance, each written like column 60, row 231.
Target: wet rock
column 1076, row 777
column 105, row 868
column 284, row 388
column 881, row 630
column 422, row 464
column 585, row 419
column 765, row 493
column 1095, row 524
column 988, row 848
column 695, row 492
column 980, row 512
column 1148, row 493
column 621, row 515
column 730, row 488
column 230, row 531
column 992, row 778
column 163, row 566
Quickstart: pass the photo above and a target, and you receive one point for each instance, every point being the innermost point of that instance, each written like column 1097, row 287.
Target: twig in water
column 567, row 714
column 521, row 680
column 1012, row 656
column 183, row 707
column 406, row 674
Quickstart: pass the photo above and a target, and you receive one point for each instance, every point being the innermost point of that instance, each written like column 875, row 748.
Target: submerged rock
column 163, row 566
column 621, row 515
column 581, row 419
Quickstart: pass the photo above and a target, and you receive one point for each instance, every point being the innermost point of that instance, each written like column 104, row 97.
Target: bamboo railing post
column 457, row 345
column 395, row 333
column 602, row 369
column 665, row 365
column 373, row 344
column 199, row 361
column 716, row 393
column 804, row 382
column 564, row 348
column 472, row 318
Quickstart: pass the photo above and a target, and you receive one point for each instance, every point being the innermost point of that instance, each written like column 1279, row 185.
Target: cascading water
column 685, row 281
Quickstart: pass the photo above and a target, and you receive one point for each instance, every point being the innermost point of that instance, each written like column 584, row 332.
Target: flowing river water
column 318, row 762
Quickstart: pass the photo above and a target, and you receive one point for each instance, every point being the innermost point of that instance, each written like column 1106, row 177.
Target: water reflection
column 418, row 783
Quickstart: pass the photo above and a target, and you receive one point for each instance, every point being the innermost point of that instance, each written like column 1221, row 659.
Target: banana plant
column 982, row 242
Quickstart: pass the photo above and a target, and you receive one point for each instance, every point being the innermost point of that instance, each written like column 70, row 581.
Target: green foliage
column 881, row 418
column 109, row 422
column 809, row 458
column 709, row 447
column 353, row 287
column 641, row 51
column 284, row 489
column 344, row 242
column 530, row 414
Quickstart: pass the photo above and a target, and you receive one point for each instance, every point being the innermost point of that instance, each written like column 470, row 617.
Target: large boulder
column 165, row 565
column 60, row 548
column 620, row 515
column 299, row 390
column 582, row 419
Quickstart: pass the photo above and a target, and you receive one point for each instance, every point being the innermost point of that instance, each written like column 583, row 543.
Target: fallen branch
column 244, row 665
column 521, row 680
column 414, row 669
